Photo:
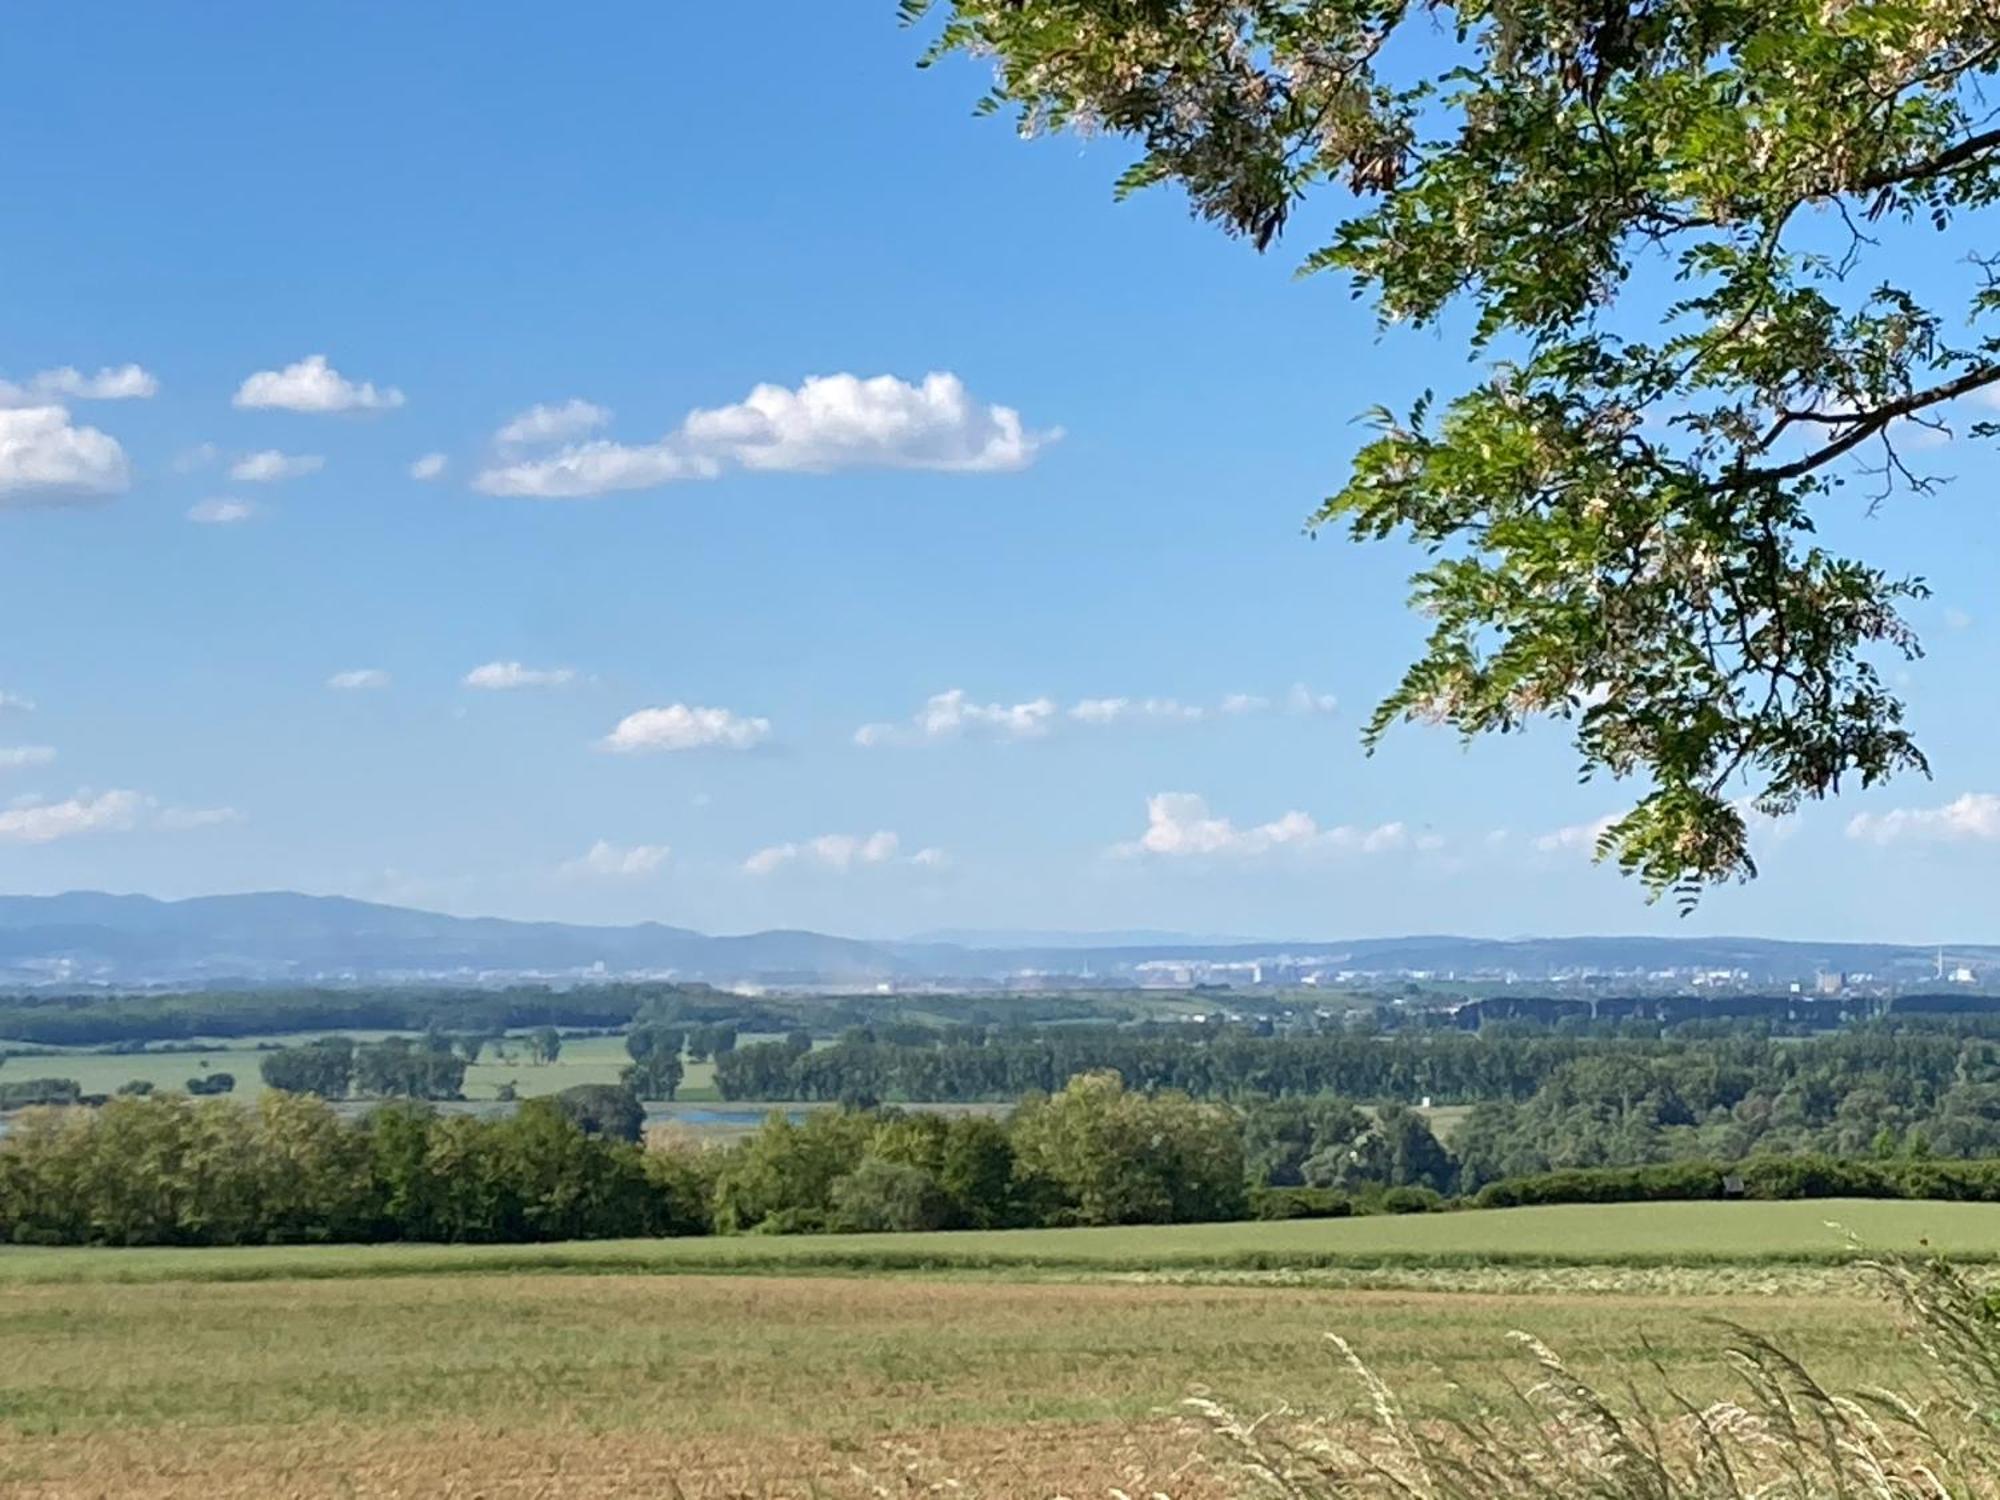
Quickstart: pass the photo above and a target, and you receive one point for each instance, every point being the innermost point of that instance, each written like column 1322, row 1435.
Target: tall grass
column 1552, row 1435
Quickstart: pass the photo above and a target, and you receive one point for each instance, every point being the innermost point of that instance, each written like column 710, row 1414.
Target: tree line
column 169, row 1169
column 1910, row 1059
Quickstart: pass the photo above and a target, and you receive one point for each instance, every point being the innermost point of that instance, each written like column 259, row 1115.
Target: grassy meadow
column 584, row 1059
column 1619, row 1235
column 703, row 1386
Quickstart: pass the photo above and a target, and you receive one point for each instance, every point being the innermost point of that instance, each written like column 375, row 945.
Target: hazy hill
column 91, row 937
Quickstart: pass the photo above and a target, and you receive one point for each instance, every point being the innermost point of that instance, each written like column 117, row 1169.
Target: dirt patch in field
column 1042, row 1460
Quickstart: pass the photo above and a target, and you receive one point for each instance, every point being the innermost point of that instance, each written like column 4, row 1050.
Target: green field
column 1818, row 1232
column 589, row 1059
column 567, row 1385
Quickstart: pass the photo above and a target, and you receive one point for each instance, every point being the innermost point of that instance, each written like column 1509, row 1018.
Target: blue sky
column 635, row 216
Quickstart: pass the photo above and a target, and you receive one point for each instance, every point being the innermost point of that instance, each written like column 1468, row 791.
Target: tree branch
column 1866, row 424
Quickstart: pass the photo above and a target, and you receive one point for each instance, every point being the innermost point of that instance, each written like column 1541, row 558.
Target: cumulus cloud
column 585, row 470
column 221, row 512
column 1974, row 817
column 112, row 383
column 554, row 423
column 1180, row 825
column 44, row 455
column 17, row 757
column 1124, row 710
column 609, row 861
column 270, row 466
column 829, row 423
column 430, row 466
column 1576, row 837
column 844, row 422
column 499, row 676
column 680, row 726
column 950, row 714
column 358, row 679
column 313, row 385
column 840, row 853
column 39, row 822
column 35, row 820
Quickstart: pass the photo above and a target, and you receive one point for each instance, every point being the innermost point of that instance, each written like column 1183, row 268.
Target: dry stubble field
column 567, row 1385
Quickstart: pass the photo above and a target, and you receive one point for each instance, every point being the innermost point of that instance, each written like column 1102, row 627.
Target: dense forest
column 97, row 1019
column 1540, row 1101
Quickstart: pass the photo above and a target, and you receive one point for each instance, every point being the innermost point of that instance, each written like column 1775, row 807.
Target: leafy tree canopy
column 1620, row 512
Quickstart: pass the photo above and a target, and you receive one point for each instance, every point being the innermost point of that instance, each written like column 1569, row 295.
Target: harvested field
column 563, row 1385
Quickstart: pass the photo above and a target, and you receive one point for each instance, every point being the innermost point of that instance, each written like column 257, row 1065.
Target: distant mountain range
column 92, row 938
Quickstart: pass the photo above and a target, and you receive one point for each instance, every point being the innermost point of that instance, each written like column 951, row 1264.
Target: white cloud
column 200, row 456
column 430, row 466
column 839, row 852
column 221, row 512
column 37, row 822
column 1180, row 825
column 844, row 422
column 590, row 469
column 270, row 466
column 122, row 383
column 829, row 423
column 1957, row 619
column 949, row 714
column 359, row 679
column 43, row 453
column 1576, row 837
column 554, row 424
column 181, row 819
column 606, row 860
column 498, row 676
column 312, row 385
column 18, row 757
column 1974, row 816
column 679, row 726
column 1122, row 710
column 14, row 703
column 34, row 820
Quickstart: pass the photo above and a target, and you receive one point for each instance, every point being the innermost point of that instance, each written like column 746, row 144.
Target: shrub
column 1411, row 1200
column 1299, row 1203
column 26, row 1093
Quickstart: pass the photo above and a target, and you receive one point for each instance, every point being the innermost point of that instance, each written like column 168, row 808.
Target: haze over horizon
column 365, row 533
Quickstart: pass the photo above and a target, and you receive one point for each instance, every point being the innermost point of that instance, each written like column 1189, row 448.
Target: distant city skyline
column 551, row 479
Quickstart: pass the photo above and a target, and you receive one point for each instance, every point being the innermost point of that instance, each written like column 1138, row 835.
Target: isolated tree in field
column 656, row 1075
column 324, row 1067
column 545, row 1044
column 1722, row 257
